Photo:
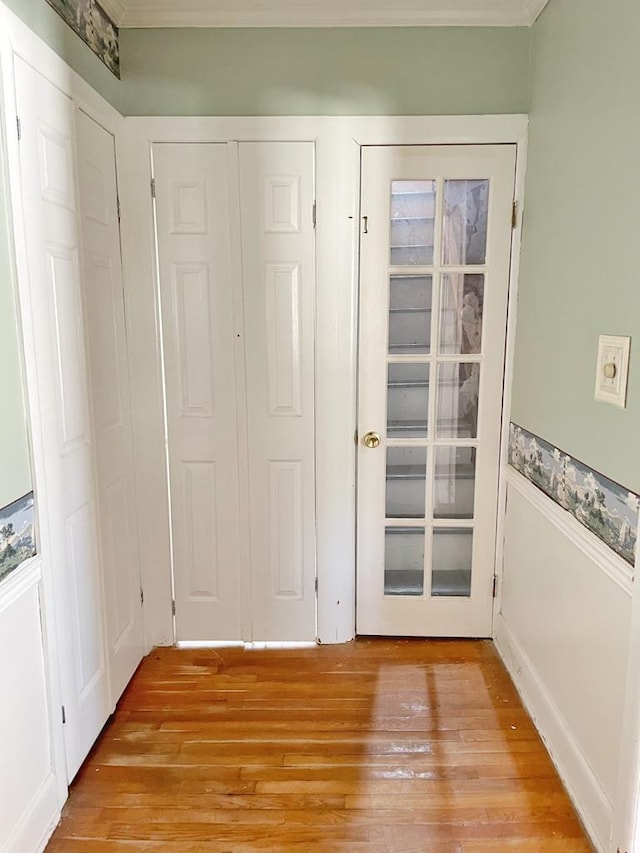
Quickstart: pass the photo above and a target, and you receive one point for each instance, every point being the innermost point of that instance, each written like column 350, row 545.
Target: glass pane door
column 435, row 318
column 434, row 280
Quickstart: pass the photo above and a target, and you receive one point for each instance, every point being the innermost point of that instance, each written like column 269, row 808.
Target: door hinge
column 153, row 187
column 19, row 128
column 64, row 716
column 314, row 214
column 118, row 208
column 365, row 224
column 514, row 215
column 173, row 608
column 495, row 586
column 141, row 596
column 316, row 586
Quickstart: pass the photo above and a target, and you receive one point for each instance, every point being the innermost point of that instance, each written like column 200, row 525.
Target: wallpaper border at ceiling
column 89, row 20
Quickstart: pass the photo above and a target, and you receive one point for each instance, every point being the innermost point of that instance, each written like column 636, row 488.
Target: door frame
column 338, row 140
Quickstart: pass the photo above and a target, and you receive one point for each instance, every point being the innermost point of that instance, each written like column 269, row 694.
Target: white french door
column 237, row 286
column 50, row 200
column 435, row 257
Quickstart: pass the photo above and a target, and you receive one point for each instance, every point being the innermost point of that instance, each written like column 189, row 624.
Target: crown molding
column 115, row 9
column 279, row 13
column 533, row 10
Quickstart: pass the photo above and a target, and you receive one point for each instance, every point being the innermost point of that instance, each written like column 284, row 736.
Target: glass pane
column 451, row 561
column 455, row 482
column 458, row 389
column 408, row 400
column 406, row 478
column 404, row 561
column 413, row 205
column 410, row 314
column 466, row 205
column 461, row 314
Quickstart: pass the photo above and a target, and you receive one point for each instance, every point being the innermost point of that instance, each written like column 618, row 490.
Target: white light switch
column 612, row 370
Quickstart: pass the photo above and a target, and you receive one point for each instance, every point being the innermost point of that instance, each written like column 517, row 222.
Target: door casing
column 338, row 141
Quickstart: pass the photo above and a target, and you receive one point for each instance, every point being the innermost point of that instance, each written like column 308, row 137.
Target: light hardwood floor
column 380, row 746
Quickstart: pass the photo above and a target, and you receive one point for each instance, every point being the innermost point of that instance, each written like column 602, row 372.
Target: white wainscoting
column 29, row 808
column 563, row 633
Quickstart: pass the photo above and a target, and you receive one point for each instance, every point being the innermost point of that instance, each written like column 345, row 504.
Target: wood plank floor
column 380, row 746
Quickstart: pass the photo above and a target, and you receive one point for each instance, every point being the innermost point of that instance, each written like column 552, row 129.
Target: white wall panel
column 28, row 806
column 564, row 633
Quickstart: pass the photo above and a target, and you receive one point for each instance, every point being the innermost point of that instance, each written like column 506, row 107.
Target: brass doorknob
column 371, row 440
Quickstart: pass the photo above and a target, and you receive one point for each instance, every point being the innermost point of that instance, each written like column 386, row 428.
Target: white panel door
column 278, row 262
column 435, row 256
column 47, row 165
column 192, row 209
column 111, row 409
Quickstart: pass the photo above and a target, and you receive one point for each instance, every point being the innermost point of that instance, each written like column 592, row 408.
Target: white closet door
column 197, row 322
column 278, row 260
column 107, row 344
column 47, row 166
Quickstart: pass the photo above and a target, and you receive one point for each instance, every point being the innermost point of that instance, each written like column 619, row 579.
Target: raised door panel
column 110, row 399
column 68, row 533
column 194, row 252
column 286, row 512
column 193, row 330
column 201, row 559
column 64, row 283
column 278, row 263
column 284, row 356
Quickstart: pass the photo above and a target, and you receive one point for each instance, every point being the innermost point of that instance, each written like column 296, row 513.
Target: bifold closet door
column 109, row 372
column 48, row 160
column 278, row 269
column 237, row 275
column 194, row 255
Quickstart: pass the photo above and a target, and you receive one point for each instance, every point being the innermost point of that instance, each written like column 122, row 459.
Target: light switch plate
column 612, row 370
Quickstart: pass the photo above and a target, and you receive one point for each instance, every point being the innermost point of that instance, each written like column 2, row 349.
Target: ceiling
column 323, row 13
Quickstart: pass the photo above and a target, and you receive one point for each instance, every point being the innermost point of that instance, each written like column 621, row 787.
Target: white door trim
column 338, row 141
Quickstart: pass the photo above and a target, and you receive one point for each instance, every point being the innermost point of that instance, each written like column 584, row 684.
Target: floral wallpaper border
column 89, row 20
column 17, row 534
column 605, row 508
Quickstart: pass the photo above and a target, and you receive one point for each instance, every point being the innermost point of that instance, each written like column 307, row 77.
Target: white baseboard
column 591, row 802
column 37, row 824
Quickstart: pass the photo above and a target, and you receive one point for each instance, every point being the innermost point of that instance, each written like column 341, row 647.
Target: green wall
column 395, row 71
column 15, row 471
column 579, row 274
column 47, row 24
